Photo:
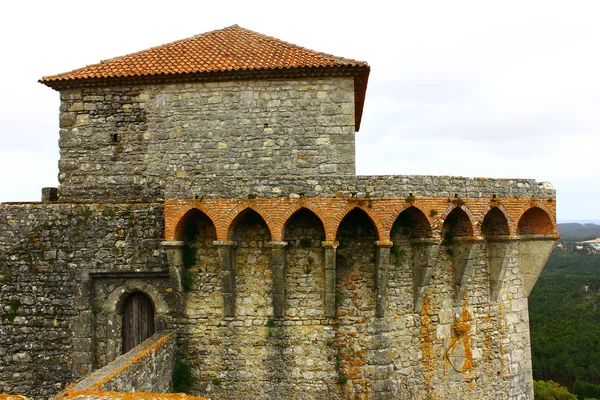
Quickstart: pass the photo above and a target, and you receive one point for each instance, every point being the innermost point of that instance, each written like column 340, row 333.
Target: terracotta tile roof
column 229, row 53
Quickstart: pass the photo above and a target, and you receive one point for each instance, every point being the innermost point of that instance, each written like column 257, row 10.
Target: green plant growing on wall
column 252, row 196
column 187, row 280
column 433, row 213
column 398, row 253
column 410, row 198
column 181, row 378
column 188, row 256
column 448, row 237
column 216, row 382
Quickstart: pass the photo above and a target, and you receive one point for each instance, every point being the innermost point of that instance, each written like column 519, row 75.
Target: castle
column 208, row 188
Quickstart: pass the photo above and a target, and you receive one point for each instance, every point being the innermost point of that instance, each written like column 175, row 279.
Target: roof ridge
column 318, row 53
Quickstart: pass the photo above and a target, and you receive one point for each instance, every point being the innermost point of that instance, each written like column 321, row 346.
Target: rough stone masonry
column 215, row 176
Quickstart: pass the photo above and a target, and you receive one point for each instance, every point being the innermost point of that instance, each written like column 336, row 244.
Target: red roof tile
column 232, row 52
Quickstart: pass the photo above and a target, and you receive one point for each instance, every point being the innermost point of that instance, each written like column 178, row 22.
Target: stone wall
column 146, row 368
column 125, row 143
column 58, row 264
column 195, row 187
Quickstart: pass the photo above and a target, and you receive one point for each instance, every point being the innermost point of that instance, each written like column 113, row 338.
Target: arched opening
column 456, row 224
column 408, row 263
column 535, row 221
column 200, row 259
column 355, row 295
column 305, row 265
column 253, row 265
column 138, row 320
column 412, row 223
column 188, row 226
column 495, row 224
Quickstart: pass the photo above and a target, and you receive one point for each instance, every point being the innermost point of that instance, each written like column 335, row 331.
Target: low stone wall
column 146, row 368
column 189, row 187
column 105, row 395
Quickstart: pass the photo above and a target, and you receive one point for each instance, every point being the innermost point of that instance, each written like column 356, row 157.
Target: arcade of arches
column 321, row 290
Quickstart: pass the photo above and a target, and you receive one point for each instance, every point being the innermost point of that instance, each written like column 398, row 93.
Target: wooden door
column 138, row 320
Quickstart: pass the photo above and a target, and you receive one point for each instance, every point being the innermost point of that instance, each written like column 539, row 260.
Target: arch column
column 382, row 264
column 330, row 250
column 174, row 250
column 226, row 257
column 278, row 249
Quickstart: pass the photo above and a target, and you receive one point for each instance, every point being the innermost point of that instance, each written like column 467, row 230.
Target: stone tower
column 214, row 179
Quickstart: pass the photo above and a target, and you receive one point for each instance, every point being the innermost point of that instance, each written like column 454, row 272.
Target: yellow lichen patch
column 147, row 352
column 426, row 336
column 13, row 397
column 103, row 394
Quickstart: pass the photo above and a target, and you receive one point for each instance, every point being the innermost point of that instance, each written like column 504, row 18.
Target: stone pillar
column 83, row 329
column 174, row 250
column 226, row 256
column 382, row 260
column 330, row 247
column 278, row 249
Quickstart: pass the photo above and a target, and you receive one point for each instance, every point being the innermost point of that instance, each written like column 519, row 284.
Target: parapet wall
column 356, row 186
column 146, row 368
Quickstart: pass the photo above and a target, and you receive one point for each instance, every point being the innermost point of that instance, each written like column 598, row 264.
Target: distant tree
column 586, row 390
column 551, row 391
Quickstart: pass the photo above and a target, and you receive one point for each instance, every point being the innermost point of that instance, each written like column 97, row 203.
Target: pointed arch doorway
column 138, row 320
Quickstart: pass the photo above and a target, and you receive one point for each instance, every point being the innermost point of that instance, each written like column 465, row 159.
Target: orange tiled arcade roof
column 225, row 54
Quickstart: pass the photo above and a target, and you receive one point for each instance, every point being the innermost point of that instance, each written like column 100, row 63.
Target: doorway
column 138, row 320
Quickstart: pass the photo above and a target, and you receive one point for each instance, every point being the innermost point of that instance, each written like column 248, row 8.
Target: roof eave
column 360, row 74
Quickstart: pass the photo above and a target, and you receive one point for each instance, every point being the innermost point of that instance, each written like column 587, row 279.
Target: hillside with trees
column 564, row 311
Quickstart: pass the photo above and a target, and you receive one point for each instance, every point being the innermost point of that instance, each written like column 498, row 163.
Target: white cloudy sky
column 474, row 88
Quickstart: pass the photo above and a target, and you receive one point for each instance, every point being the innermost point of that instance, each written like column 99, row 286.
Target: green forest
column 564, row 309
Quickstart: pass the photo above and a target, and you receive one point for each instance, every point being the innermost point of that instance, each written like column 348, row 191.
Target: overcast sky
column 505, row 90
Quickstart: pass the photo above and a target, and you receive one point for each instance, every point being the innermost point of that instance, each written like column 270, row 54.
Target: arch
column 138, row 320
column 495, row 223
column 171, row 231
column 535, row 221
column 114, row 302
column 502, row 209
column 287, row 215
column 413, row 221
column 185, row 226
column 296, row 214
column 337, row 220
column 248, row 212
column 304, row 271
column 457, row 222
column 113, row 308
column 234, row 217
